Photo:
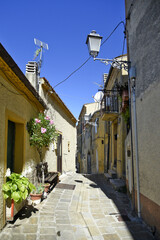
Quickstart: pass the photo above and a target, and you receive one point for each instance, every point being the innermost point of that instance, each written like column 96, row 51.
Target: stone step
column 118, row 184
column 107, row 176
column 112, row 173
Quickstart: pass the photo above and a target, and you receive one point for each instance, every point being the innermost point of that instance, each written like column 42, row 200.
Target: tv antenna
column 39, row 52
column 101, row 86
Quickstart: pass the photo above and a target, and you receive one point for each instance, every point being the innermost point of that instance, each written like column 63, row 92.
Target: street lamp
column 94, row 42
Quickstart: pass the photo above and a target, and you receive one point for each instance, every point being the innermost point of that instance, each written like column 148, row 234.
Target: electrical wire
column 10, row 90
column 73, row 72
column 122, row 22
column 123, row 45
column 20, row 94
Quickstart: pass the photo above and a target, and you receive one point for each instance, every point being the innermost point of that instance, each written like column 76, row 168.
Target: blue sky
column 64, row 25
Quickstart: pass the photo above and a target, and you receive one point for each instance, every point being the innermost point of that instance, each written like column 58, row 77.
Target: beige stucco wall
column 85, row 145
column 67, row 128
column 18, row 109
column 148, row 121
column 92, row 107
column 99, row 143
column 143, row 39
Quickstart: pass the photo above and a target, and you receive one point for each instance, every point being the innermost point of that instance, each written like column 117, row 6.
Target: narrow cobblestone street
column 80, row 208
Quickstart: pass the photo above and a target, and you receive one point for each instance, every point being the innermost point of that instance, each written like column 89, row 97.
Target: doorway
column 115, row 146
column 15, row 146
column 59, row 153
column 11, row 145
column 88, row 163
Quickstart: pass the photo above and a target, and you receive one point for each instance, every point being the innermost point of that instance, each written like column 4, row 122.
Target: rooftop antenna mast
column 39, row 52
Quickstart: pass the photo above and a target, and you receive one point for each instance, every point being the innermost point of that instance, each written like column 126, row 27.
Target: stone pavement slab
column 91, row 210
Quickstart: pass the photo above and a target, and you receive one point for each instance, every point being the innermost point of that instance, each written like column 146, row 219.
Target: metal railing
column 109, row 103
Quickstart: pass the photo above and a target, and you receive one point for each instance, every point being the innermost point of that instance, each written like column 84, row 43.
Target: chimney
column 32, row 74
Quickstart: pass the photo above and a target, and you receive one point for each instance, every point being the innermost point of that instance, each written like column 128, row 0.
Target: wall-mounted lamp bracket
column 116, row 63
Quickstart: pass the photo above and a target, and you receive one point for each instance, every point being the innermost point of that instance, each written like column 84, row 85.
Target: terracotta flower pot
column 125, row 95
column 35, row 196
column 46, row 187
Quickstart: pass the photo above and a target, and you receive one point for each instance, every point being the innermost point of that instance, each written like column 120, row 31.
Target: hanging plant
column 126, row 115
column 42, row 132
column 122, row 88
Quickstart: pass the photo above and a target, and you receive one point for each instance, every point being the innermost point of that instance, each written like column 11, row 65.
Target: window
column 68, row 146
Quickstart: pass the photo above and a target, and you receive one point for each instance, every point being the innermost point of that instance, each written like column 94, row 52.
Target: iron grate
column 65, row 186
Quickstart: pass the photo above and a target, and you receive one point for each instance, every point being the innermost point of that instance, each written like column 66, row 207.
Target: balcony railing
column 109, row 105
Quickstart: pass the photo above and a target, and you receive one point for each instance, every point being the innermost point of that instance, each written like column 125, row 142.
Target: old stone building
column 143, row 44
column 18, row 103
column 84, row 141
column 114, row 112
column 62, row 154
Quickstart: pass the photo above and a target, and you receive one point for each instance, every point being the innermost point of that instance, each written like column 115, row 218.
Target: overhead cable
column 122, row 22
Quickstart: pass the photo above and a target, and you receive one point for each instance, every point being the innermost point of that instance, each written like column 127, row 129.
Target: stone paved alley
column 91, row 210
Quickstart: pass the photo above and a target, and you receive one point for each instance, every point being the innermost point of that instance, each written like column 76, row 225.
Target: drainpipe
column 131, row 130
column 132, row 78
column 108, row 152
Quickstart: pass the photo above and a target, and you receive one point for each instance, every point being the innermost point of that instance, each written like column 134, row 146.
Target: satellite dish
column 98, row 96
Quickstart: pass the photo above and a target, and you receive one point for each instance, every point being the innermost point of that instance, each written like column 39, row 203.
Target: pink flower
column 51, row 122
column 47, row 118
column 37, row 120
column 43, row 130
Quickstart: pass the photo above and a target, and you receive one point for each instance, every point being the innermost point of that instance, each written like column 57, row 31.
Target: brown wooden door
column 59, row 154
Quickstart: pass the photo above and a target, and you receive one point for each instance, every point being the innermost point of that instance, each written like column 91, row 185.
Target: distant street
column 80, row 208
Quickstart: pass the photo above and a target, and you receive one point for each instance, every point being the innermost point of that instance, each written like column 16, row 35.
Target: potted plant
column 46, row 187
column 42, row 132
column 36, row 194
column 126, row 115
column 16, row 189
column 123, row 95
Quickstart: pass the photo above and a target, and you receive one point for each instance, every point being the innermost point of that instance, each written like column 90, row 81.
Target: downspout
column 108, row 146
column 130, row 122
column 132, row 78
column 130, row 112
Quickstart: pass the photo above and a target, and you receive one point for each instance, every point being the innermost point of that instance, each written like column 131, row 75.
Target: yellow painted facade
column 17, row 105
column 117, row 129
column 98, row 144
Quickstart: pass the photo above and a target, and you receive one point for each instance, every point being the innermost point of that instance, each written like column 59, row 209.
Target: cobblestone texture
column 91, row 211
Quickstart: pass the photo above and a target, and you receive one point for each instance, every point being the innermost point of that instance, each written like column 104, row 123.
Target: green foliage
column 17, row 187
column 42, row 131
column 126, row 115
column 121, row 87
column 39, row 188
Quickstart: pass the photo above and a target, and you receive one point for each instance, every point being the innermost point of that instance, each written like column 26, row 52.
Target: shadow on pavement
column 25, row 212
column 137, row 229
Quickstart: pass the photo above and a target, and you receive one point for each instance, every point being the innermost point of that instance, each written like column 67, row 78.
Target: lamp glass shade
column 94, row 43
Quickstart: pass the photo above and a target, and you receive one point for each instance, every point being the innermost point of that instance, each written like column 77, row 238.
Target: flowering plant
column 42, row 132
column 16, row 187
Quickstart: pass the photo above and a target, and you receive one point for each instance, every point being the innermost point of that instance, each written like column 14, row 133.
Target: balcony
column 109, row 105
